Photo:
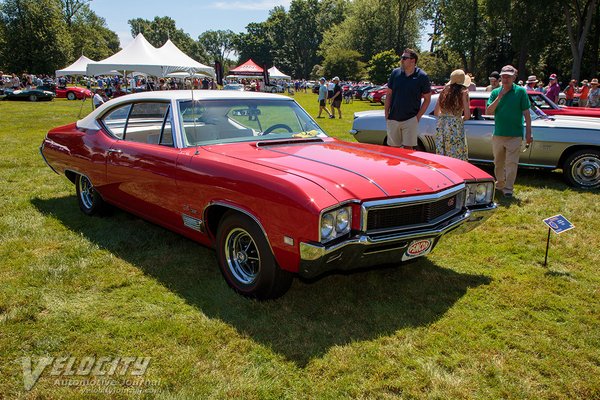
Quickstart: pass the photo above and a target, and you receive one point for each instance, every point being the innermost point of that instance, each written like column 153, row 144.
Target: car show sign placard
column 558, row 224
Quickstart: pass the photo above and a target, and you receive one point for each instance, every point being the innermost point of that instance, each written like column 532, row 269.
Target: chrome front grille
column 413, row 212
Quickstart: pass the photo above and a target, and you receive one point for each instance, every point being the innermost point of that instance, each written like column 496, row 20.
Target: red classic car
column 254, row 176
column 69, row 92
column 551, row 108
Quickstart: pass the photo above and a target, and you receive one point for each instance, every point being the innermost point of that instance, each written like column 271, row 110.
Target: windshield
column 543, row 102
column 244, row 120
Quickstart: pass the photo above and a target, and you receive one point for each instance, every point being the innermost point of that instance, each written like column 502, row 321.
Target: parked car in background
column 234, row 86
column 69, row 92
column 551, row 108
column 28, row 95
column 254, row 176
column 375, row 96
column 569, row 143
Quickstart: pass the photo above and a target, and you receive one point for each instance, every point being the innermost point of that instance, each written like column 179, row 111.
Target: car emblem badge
column 451, row 202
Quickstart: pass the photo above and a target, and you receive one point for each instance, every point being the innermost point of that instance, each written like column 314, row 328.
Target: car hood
column 350, row 171
column 569, row 122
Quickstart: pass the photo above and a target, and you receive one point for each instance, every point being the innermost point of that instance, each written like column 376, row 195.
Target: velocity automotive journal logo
column 105, row 374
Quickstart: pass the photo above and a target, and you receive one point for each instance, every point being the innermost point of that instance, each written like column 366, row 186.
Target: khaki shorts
column 402, row 133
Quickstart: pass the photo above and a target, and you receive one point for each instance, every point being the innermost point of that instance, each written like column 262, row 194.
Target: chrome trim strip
column 44, row 158
column 241, row 210
column 333, row 165
column 193, row 223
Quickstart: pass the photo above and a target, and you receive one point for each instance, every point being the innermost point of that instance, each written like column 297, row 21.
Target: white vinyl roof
column 89, row 122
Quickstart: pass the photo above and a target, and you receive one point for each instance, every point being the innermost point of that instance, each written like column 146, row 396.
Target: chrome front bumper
column 364, row 251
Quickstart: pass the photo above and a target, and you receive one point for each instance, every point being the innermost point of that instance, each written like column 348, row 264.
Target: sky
column 192, row 16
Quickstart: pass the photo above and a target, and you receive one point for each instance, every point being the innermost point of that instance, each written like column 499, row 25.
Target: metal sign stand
column 558, row 224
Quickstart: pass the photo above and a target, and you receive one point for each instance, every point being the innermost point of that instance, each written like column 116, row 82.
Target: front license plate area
column 418, row 248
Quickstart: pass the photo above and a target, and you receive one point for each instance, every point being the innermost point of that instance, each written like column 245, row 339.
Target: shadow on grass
column 309, row 320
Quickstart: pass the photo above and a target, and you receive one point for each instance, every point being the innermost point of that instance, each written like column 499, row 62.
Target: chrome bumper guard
column 364, row 251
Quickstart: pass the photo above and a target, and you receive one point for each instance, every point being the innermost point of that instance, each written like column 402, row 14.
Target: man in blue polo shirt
column 407, row 85
column 510, row 105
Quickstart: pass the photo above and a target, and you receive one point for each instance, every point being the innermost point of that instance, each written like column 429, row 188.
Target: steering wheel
column 277, row 126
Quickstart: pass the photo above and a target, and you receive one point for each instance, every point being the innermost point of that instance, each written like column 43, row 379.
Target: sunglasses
column 406, row 58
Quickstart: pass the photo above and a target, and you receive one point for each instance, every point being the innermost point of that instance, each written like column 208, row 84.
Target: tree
column 218, row 44
column 344, row 63
column 37, row 39
column 381, row 65
column 578, row 18
column 91, row 37
column 71, row 8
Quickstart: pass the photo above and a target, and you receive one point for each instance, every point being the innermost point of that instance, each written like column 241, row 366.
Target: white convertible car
column 570, row 143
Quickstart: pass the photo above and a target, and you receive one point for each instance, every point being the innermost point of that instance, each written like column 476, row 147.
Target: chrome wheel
column 582, row 169
column 90, row 201
column 242, row 256
column 586, row 171
column 86, row 192
column 71, row 96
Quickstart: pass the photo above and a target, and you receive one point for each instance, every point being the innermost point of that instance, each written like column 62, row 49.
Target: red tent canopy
column 247, row 68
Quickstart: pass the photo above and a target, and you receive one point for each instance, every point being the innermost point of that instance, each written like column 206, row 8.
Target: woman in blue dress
column 452, row 109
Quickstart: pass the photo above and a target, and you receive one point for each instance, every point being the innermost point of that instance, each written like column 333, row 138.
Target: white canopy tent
column 141, row 56
column 169, row 51
column 274, row 73
column 77, row 68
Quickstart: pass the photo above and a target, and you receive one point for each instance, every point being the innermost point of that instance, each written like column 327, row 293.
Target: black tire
column 582, row 169
column 71, row 96
column 246, row 260
column 33, row 97
column 89, row 200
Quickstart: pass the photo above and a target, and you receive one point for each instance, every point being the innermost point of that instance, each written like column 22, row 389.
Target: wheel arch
column 572, row 149
column 214, row 213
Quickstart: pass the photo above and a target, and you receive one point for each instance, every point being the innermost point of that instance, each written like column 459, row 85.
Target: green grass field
column 479, row 318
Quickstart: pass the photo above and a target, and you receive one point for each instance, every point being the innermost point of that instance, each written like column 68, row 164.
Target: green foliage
column 218, row 45
column 438, row 69
column 344, row 63
column 36, row 37
column 381, row 65
column 91, row 37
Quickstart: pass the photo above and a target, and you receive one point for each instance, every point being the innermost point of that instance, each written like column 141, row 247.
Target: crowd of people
column 409, row 94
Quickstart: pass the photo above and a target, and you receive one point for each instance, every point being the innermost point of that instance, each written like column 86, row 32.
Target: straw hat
column 459, row 77
column 532, row 79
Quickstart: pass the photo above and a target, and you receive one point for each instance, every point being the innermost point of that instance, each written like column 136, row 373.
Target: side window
column 149, row 123
column 116, row 119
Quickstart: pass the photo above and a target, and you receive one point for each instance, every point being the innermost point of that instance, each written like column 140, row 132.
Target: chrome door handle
column 114, row 151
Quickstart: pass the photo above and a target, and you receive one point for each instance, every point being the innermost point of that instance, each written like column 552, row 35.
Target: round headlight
column 341, row 220
column 326, row 226
column 480, row 193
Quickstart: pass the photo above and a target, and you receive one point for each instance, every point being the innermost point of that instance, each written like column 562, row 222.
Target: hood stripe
column 332, row 165
column 404, row 159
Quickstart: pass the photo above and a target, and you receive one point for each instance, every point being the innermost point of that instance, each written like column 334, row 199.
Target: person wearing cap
column 336, row 99
column 407, row 85
column 531, row 83
column 584, row 92
column 553, row 89
column 570, row 91
column 494, row 81
column 323, row 94
column 509, row 104
column 594, row 97
column 452, row 109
